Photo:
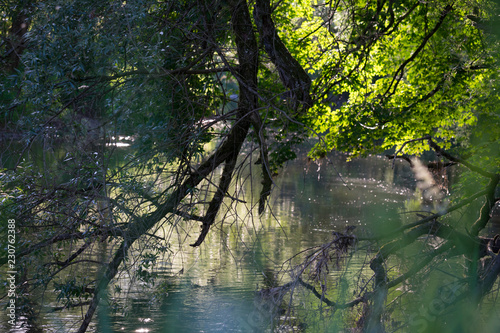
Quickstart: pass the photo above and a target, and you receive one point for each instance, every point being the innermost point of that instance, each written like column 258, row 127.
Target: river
column 212, row 288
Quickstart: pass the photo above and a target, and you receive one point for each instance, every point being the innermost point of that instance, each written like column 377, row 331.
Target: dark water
column 212, row 288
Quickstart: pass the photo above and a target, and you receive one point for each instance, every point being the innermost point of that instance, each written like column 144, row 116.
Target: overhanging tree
column 179, row 74
column 419, row 76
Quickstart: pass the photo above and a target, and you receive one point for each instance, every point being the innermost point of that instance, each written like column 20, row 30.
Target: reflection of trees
column 432, row 240
column 178, row 75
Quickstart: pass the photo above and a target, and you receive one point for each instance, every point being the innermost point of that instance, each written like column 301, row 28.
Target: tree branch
column 290, row 71
column 227, row 151
column 400, row 71
column 452, row 158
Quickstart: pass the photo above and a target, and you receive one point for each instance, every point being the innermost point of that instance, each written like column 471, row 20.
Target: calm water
column 212, row 288
column 216, row 290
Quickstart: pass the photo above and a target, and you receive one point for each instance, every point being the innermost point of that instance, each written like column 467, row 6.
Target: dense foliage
column 200, row 88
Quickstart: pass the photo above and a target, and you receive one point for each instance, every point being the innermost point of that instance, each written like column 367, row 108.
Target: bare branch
column 452, row 158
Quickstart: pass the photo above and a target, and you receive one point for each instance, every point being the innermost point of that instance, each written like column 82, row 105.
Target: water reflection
column 212, row 288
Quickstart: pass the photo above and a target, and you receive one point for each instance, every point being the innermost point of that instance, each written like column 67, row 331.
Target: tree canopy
column 204, row 86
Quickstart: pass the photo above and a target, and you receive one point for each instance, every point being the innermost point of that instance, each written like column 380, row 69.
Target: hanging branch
column 226, row 153
column 290, row 71
column 484, row 214
column 267, row 180
column 452, row 158
column 219, row 195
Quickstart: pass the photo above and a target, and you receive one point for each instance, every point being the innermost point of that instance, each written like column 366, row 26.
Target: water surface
column 212, row 288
